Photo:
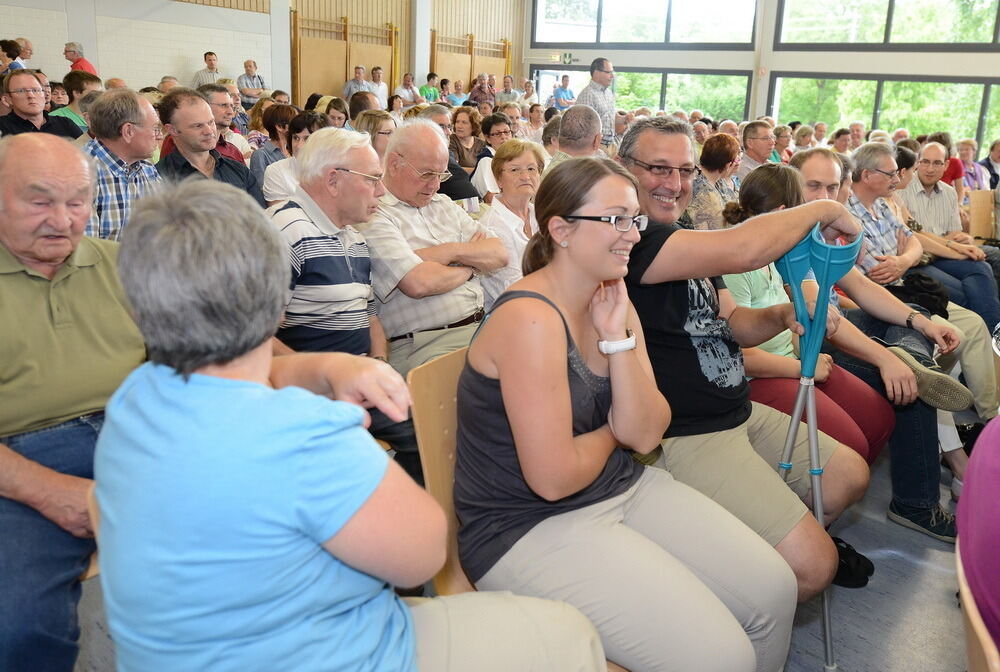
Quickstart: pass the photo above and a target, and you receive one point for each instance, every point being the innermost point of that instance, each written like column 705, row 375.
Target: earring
column 563, row 243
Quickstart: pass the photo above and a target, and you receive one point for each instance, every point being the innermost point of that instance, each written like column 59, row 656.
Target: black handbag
column 924, row 291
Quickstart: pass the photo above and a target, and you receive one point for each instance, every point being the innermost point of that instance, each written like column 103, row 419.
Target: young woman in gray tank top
column 556, row 387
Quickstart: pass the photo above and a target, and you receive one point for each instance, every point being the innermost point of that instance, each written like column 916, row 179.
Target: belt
column 471, row 319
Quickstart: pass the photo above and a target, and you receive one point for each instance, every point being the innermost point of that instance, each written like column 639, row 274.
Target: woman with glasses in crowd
column 496, row 130
column 558, row 508
column 517, row 168
column 378, row 124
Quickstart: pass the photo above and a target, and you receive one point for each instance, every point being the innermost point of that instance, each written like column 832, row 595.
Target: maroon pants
column 847, row 409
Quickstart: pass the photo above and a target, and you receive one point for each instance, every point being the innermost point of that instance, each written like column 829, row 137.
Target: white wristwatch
column 611, row 347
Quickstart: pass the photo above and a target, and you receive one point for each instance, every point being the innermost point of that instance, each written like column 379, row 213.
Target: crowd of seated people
column 609, row 270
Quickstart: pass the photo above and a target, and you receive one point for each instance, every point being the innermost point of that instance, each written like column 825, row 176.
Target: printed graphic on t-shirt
column 711, row 337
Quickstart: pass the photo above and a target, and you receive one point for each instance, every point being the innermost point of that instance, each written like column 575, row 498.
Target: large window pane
column 838, row 102
column 638, row 89
column 926, row 107
column 992, row 128
column 716, row 21
column 566, row 21
column 944, row 21
column 718, row 96
column 841, row 21
column 642, row 21
column 548, row 80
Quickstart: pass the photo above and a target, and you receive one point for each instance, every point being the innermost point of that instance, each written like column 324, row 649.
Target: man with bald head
column 69, row 342
column 580, row 135
column 126, row 132
column 427, row 253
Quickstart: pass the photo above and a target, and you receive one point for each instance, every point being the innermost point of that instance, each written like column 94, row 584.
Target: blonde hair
column 514, row 149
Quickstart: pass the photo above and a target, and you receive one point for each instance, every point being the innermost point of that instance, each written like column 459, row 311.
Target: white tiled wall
column 141, row 52
column 47, row 31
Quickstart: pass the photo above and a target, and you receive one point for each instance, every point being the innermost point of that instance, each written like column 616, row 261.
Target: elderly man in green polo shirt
column 67, row 341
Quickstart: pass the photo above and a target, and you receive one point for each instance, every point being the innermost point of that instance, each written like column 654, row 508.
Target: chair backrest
column 434, row 388
column 981, row 214
column 93, row 569
column 980, row 649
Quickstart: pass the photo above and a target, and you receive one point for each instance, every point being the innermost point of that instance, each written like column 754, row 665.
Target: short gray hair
column 551, row 130
column 206, row 273
column 88, row 100
column 580, row 124
column 433, row 111
column 112, row 110
column 410, row 128
column 75, row 46
column 868, row 156
column 327, row 148
column 663, row 125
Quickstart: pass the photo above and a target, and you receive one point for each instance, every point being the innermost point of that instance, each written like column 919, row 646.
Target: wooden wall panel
column 326, row 63
column 374, row 13
column 489, row 64
column 368, row 55
column 492, row 20
column 261, row 6
column 455, row 66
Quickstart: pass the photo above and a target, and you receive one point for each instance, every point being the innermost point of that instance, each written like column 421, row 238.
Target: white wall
column 47, row 30
column 142, row 40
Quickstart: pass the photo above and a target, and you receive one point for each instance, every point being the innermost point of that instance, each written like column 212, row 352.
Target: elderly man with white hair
column 427, row 253
column 331, row 307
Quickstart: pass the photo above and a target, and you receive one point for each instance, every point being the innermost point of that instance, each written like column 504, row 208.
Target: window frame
column 886, row 45
column 665, row 45
column 533, row 68
column 880, row 79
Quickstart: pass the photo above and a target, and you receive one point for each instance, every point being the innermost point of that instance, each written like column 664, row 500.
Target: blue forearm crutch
column 829, row 263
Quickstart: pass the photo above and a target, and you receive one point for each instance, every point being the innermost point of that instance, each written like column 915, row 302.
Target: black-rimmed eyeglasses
column 622, row 223
column 660, row 170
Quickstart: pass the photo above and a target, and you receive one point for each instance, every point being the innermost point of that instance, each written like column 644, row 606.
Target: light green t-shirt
column 762, row 288
column 71, row 115
column 430, row 93
column 65, row 344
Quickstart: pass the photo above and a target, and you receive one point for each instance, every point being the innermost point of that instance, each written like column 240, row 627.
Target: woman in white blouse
column 281, row 178
column 517, row 168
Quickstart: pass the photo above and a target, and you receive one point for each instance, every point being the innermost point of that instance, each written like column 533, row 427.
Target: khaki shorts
column 738, row 468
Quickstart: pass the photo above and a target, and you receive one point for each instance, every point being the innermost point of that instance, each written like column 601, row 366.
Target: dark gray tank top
column 494, row 504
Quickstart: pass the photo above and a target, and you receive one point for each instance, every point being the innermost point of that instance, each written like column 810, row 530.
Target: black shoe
column 935, row 387
column 934, row 522
column 853, row 569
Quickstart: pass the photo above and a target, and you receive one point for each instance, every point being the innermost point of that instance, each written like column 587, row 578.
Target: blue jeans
column 40, row 563
column 891, row 334
column 970, row 284
column 913, row 446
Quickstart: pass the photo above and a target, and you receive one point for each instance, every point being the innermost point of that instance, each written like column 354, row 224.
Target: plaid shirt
column 119, row 185
column 602, row 99
column 883, row 233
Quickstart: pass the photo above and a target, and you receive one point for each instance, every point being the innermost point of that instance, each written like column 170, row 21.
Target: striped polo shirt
column 331, row 298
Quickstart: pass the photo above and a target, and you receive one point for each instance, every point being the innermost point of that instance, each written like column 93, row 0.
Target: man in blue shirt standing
column 563, row 95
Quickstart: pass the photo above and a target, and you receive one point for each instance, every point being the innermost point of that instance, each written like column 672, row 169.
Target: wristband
column 909, row 318
column 611, row 347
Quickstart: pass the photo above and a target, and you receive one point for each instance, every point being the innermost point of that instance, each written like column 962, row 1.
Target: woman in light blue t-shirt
column 247, row 523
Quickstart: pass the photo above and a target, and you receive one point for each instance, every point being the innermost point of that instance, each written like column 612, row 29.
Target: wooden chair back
column 981, row 221
column 93, row 569
column 434, row 388
column 980, row 649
